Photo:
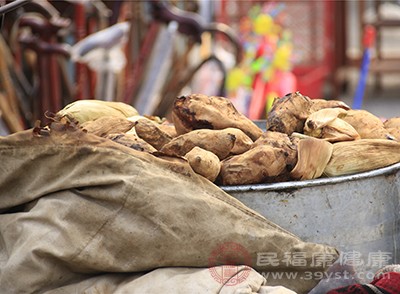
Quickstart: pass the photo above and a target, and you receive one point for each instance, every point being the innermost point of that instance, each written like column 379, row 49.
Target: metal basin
column 358, row 214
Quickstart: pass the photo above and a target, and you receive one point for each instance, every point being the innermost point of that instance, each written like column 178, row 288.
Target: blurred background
column 146, row 53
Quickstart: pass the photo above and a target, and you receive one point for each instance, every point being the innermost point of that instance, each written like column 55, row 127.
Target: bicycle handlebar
column 40, row 46
column 44, row 27
column 190, row 23
column 105, row 39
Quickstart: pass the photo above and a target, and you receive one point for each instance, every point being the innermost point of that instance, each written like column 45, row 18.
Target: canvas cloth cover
column 75, row 206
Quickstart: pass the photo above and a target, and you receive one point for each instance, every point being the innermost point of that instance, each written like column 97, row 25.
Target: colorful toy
column 265, row 72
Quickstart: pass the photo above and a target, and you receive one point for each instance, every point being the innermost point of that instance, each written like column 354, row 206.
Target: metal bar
column 13, row 5
column 294, row 185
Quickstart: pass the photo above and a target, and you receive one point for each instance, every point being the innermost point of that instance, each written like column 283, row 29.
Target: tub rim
column 291, row 185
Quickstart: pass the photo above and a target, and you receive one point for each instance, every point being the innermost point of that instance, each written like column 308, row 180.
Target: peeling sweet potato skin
column 198, row 111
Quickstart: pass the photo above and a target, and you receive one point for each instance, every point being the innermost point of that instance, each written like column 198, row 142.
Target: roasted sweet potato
column 169, row 129
column 199, row 111
column 395, row 132
column 152, row 133
column 280, row 141
column 242, row 142
column 367, row 125
column 132, row 141
column 318, row 104
column 392, row 123
column 274, row 139
column 261, row 164
column 289, row 113
column 204, row 163
column 219, row 142
column 393, row 127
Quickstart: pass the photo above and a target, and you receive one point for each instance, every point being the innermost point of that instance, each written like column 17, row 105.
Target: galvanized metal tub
column 358, row 214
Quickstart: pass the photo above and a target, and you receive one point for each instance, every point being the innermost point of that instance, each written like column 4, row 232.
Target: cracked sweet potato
column 199, row 111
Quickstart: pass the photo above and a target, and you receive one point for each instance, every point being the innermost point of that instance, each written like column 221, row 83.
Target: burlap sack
column 75, row 205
